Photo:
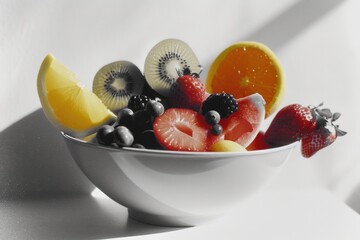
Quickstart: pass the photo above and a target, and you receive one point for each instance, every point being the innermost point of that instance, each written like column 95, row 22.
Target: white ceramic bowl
column 177, row 188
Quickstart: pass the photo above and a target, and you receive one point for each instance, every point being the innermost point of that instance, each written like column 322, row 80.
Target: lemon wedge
column 70, row 107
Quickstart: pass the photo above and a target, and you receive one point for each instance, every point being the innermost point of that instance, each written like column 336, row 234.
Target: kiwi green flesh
column 165, row 60
column 116, row 82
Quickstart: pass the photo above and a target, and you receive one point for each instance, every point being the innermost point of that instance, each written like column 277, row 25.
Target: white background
column 317, row 43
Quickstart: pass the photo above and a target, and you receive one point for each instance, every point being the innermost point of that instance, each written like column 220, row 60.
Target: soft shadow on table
column 44, row 195
column 34, row 160
column 353, row 199
column 76, row 217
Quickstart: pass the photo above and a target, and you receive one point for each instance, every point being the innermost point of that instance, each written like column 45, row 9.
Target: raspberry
column 138, row 102
column 225, row 104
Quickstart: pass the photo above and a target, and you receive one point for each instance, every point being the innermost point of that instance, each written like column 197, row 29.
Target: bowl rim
column 177, row 153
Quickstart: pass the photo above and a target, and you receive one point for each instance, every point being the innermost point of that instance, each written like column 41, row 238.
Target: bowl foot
column 168, row 221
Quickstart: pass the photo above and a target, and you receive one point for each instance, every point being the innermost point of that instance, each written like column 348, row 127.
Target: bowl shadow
column 44, row 194
column 75, row 217
column 35, row 161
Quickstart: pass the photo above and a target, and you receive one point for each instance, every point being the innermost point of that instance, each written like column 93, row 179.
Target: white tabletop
column 276, row 213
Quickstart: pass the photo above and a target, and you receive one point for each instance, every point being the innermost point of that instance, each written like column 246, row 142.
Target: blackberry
column 138, row 102
column 225, row 104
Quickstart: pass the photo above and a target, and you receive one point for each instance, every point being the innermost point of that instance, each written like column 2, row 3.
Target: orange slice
column 246, row 68
column 67, row 105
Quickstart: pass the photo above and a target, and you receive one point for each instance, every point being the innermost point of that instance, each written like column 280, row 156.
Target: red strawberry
column 312, row 125
column 187, row 92
column 322, row 137
column 290, row 124
column 181, row 129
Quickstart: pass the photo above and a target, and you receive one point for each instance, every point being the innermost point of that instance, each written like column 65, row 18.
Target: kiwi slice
column 164, row 62
column 116, row 82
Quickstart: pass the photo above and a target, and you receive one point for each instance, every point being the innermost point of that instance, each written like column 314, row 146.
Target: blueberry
column 138, row 145
column 125, row 117
column 216, row 129
column 212, row 117
column 142, row 121
column 123, row 137
column 148, row 140
column 155, row 108
column 164, row 102
column 105, row 135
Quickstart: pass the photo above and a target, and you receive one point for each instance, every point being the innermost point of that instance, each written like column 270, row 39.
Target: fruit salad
column 168, row 107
